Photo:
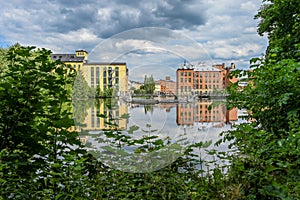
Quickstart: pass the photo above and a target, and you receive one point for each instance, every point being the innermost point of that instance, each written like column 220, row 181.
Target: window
column 92, row 77
column 117, row 71
column 104, row 72
column 97, row 76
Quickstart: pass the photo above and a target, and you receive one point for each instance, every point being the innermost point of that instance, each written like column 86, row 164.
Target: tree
column 266, row 163
column 149, row 85
column 39, row 157
column 280, row 19
column 81, row 89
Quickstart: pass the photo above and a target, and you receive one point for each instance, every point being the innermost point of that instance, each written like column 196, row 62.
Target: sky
column 152, row 37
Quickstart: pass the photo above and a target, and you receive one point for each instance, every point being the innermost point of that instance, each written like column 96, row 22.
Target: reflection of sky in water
column 165, row 126
column 156, row 118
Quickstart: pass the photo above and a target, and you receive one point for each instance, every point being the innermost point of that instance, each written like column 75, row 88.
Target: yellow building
column 107, row 76
column 103, row 76
column 75, row 60
column 97, row 74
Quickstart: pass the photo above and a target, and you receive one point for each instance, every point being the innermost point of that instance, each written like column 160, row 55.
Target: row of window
column 201, row 74
column 186, row 73
column 189, row 80
column 200, row 118
column 108, row 76
column 198, row 86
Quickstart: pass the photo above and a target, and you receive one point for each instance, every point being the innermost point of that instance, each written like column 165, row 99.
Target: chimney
column 232, row 66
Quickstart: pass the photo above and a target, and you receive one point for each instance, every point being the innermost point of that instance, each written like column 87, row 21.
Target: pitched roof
column 67, row 57
column 206, row 69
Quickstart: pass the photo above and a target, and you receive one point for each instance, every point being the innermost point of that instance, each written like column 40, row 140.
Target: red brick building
column 167, row 86
column 201, row 79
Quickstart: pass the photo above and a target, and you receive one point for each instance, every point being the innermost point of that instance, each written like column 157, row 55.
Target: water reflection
column 153, row 135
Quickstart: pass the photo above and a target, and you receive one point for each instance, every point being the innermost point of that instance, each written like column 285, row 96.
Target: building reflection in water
column 204, row 111
column 191, row 118
column 101, row 113
column 183, row 123
column 105, row 112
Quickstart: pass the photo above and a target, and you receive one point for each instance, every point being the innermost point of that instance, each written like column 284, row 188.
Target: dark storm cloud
column 169, row 14
column 107, row 18
column 180, row 15
column 71, row 19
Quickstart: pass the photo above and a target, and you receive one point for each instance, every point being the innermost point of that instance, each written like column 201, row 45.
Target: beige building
column 98, row 74
column 93, row 122
column 107, row 75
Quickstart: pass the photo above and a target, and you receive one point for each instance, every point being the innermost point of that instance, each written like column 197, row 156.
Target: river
column 129, row 136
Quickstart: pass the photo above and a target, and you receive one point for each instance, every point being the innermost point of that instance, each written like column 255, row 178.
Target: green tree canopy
column 280, row 20
column 267, row 162
column 39, row 156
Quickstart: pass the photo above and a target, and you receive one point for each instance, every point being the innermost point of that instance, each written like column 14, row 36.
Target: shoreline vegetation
column 40, row 158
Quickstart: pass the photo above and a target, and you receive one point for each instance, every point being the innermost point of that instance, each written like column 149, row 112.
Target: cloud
column 224, row 29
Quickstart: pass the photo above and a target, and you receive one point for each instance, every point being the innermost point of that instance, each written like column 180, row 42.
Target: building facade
column 75, row 60
column 167, row 86
column 107, row 76
column 200, row 79
column 113, row 115
column 98, row 75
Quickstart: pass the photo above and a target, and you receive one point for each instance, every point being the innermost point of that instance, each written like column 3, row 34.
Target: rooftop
column 199, row 67
column 206, row 69
column 105, row 63
column 67, row 57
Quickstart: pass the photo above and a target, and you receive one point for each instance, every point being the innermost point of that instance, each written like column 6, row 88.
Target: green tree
column 280, row 20
column 266, row 163
column 149, row 85
column 81, row 89
column 39, row 157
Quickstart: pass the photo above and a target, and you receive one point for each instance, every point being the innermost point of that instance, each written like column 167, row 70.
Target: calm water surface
column 167, row 124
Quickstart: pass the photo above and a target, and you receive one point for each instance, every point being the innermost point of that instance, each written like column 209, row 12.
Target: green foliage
column 280, row 19
column 81, row 89
column 106, row 93
column 272, row 96
column 40, row 158
column 265, row 160
column 148, row 87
